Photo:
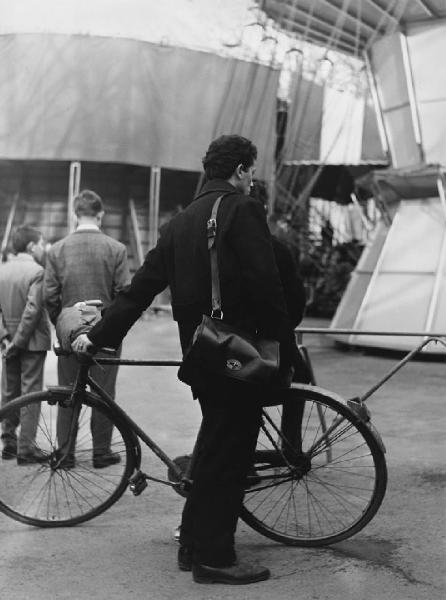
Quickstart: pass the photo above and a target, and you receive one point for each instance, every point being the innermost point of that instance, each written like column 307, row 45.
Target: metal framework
column 350, row 26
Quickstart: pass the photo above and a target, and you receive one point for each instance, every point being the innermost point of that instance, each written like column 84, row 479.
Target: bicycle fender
column 357, row 409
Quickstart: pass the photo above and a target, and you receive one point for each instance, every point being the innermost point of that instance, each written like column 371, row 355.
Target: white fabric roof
column 199, row 24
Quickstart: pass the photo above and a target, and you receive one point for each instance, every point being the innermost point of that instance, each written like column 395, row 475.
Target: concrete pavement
column 129, row 553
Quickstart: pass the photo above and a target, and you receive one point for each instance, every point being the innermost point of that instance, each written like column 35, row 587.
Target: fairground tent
column 89, row 87
column 399, row 282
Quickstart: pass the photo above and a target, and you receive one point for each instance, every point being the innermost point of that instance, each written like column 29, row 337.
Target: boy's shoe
column 32, row 457
column 239, row 574
column 9, row 451
column 184, row 558
column 100, row 461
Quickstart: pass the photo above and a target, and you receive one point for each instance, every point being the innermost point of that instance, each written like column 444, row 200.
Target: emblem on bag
column 233, row 364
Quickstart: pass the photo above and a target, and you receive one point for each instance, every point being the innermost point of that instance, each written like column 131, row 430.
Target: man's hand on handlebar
column 82, row 344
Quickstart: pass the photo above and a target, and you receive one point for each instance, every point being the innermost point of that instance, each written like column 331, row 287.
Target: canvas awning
column 413, row 183
column 77, row 97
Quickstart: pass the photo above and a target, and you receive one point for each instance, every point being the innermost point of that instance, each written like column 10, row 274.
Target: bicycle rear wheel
column 51, row 492
column 324, row 482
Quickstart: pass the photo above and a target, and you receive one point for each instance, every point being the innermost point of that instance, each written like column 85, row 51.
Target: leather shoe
column 238, row 574
column 9, row 451
column 184, row 558
column 31, row 458
column 100, row 461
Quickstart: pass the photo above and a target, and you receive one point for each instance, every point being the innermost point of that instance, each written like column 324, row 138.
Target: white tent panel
column 342, row 127
column 415, row 238
column 399, row 284
column 388, row 67
column 395, row 301
column 401, row 137
column 330, row 125
column 427, row 47
column 387, row 62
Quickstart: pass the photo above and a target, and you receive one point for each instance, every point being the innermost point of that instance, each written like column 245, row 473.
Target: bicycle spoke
column 65, row 488
column 329, row 487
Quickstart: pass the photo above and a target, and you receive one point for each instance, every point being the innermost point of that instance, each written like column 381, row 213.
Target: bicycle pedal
column 183, row 487
column 138, row 483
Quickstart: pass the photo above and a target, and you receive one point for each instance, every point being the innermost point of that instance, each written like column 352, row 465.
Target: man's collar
column 87, row 227
column 220, row 185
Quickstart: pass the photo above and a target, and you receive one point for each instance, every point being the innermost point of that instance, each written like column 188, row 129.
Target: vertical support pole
column 154, row 205
column 9, row 223
column 272, row 192
column 411, row 93
column 73, row 190
column 376, row 103
column 441, row 193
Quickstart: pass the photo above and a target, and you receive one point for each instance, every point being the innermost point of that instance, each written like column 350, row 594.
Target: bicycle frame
column 137, row 482
column 439, row 338
column 79, row 389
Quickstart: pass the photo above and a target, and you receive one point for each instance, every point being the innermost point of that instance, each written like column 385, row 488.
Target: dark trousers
column 224, row 456
column 101, row 426
column 21, row 374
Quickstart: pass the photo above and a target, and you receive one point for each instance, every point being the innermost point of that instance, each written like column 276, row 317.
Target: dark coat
column 251, row 290
column 293, row 285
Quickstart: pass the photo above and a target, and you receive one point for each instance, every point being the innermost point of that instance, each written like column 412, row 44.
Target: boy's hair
column 22, row 236
column 87, row 204
column 226, row 153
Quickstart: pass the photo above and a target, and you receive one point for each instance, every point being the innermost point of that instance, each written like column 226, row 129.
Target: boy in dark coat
column 252, row 299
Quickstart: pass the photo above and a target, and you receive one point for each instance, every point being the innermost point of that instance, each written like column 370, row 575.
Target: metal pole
column 9, row 222
column 154, row 204
column 376, row 102
column 272, row 192
column 411, row 92
column 73, row 190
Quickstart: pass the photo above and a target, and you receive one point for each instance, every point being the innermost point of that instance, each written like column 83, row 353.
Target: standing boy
column 25, row 337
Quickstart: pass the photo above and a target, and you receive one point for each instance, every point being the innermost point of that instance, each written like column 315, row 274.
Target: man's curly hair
column 226, row 153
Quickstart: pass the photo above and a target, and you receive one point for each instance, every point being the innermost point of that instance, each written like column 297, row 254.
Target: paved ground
column 129, row 553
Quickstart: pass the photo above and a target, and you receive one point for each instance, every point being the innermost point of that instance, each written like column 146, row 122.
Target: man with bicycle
column 253, row 298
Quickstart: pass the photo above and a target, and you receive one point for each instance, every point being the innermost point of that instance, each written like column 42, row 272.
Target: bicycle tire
column 51, row 494
column 314, row 497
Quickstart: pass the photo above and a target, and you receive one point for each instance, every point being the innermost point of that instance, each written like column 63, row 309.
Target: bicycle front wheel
column 42, row 486
column 320, row 483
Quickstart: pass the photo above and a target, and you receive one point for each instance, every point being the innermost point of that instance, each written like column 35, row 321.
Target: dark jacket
column 292, row 283
column 252, row 294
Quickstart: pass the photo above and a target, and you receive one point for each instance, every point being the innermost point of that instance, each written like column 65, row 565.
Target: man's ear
column 30, row 247
column 239, row 170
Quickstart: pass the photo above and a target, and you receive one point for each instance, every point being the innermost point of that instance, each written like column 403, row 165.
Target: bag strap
column 224, row 191
column 211, row 228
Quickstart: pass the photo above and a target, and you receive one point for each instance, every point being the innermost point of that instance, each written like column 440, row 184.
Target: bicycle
column 317, row 483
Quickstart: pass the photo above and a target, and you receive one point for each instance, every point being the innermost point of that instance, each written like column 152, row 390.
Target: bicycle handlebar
column 59, row 351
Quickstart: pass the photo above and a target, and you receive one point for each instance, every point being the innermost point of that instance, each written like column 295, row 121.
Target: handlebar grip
column 97, row 303
column 59, row 351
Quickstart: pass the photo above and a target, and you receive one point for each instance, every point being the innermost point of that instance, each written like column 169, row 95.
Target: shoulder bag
column 219, row 350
